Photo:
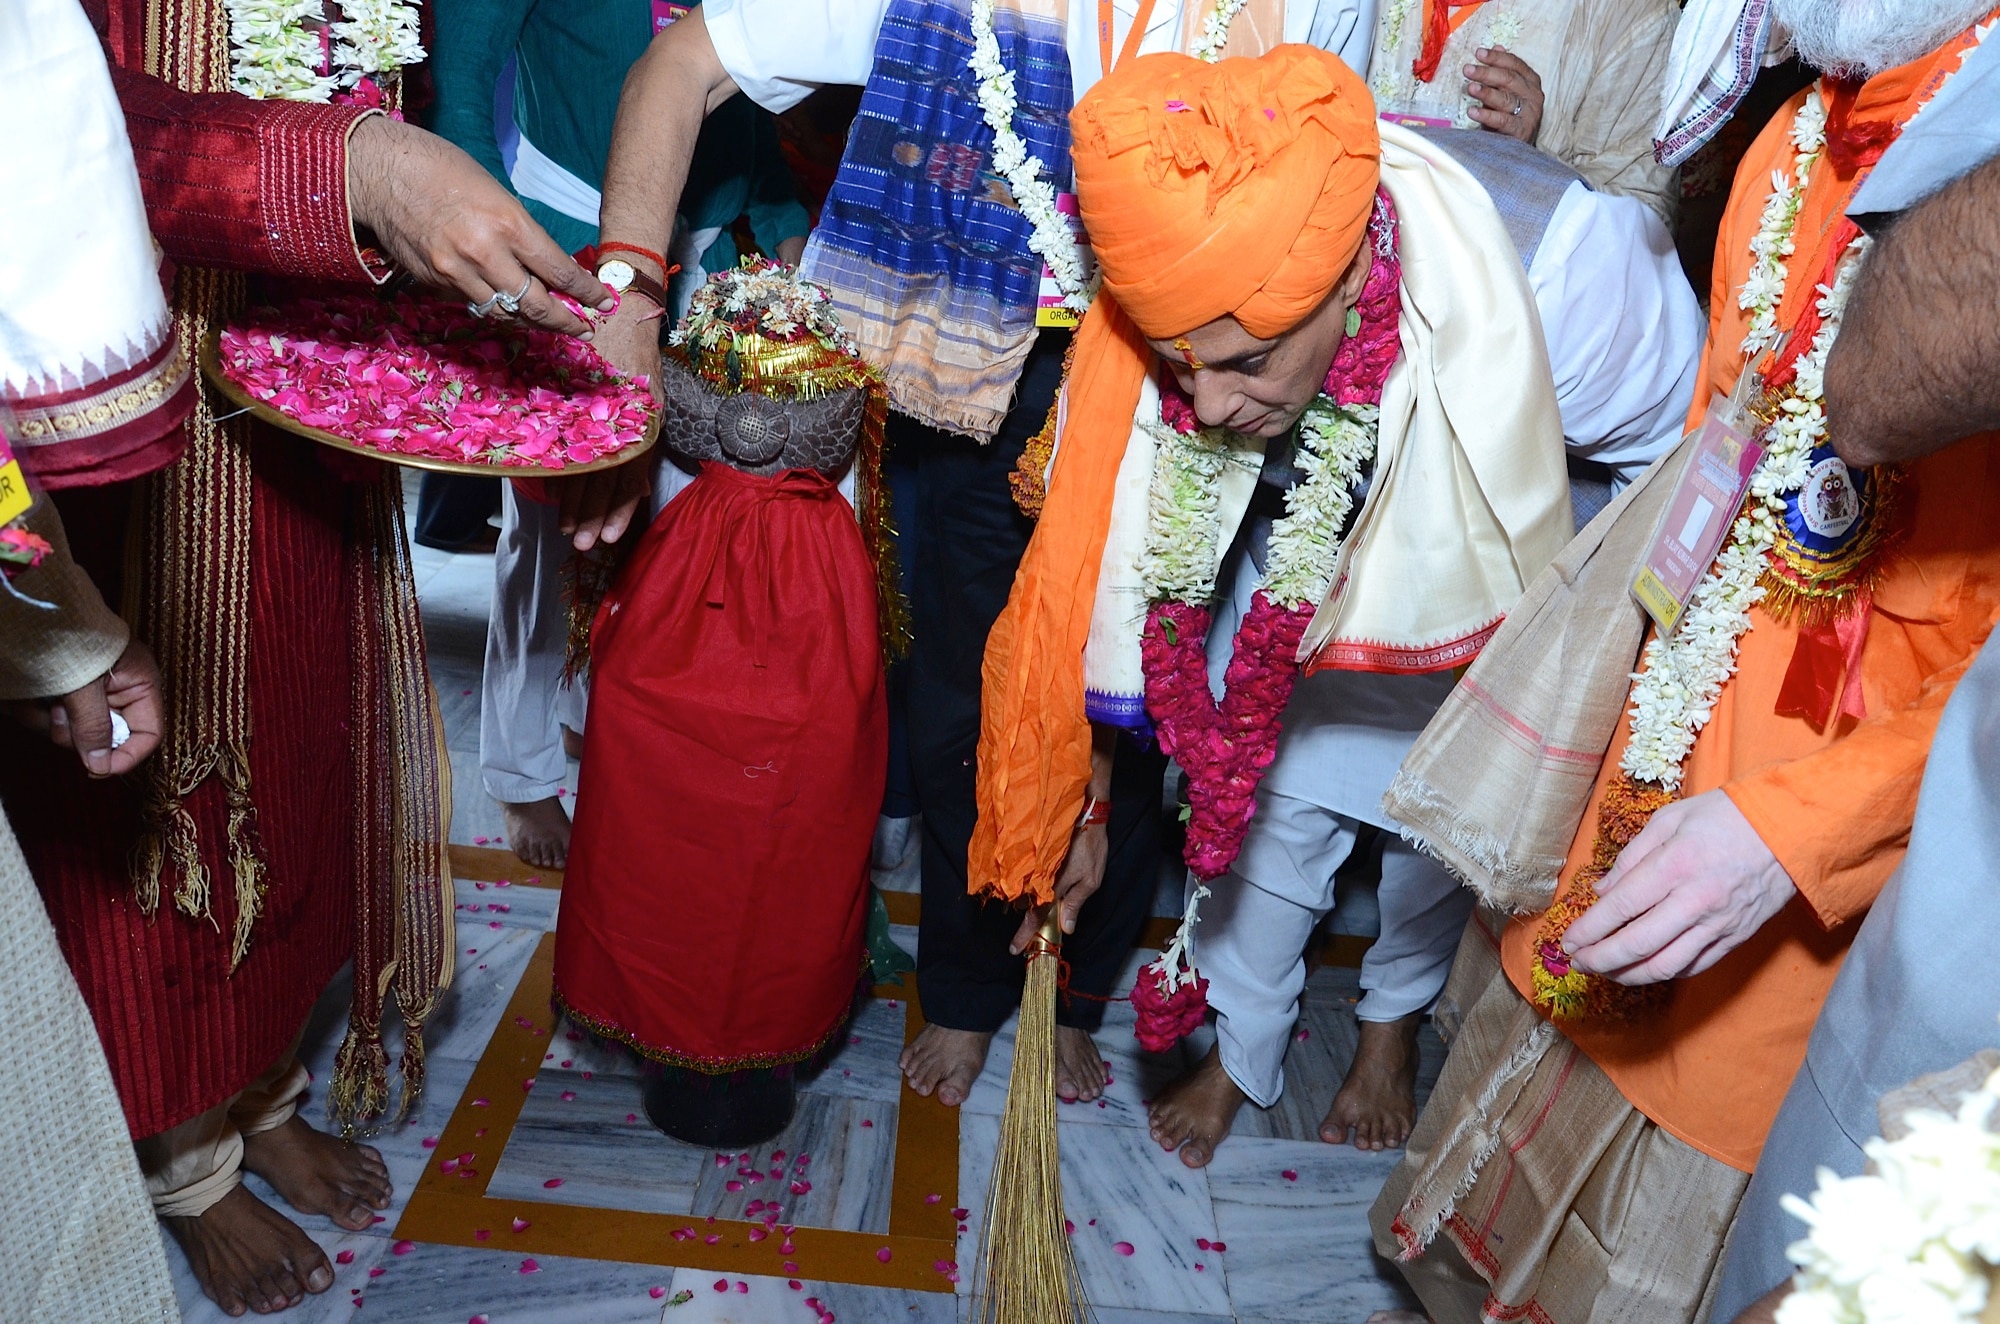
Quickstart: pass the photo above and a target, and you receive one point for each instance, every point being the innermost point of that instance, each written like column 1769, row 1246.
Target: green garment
column 572, row 56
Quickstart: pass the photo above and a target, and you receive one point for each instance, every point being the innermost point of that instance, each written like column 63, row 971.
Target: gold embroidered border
column 113, row 408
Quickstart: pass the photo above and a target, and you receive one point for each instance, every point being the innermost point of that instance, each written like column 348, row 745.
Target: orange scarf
column 1239, row 188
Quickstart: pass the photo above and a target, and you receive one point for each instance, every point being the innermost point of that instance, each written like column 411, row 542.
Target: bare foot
column 1194, row 1113
column 1080, row 1072
column 320, row 1174
column 1377, row 1103
column 248, row 1256
column 946, row 1062
column 538, row 831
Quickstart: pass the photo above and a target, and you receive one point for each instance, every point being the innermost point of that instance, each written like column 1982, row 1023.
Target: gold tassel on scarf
column 193, row 586
column 404, row 902
column 1027, row 1269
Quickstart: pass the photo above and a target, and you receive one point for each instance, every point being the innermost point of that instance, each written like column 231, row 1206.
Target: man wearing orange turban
column 1323, row 330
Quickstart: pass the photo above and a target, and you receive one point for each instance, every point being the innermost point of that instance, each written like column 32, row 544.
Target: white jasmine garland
column 1051, row 239
column 1388, row 87
column 1183, row 528
column 1673, row 697
column 1174, row 966
column 375, row 37
column 1915, row 1240
column 1214, row 34
column 1335, row 442
column 1772, row 245
column 278, row 51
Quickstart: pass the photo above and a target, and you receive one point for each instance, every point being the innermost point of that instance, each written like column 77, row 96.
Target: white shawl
column 1470, row 495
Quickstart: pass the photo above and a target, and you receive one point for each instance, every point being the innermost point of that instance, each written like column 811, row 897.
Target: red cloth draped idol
column 715, row 905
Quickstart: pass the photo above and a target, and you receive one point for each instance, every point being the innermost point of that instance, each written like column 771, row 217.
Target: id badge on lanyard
column 1051, row 308
column 1700, row 514
column 14, row 495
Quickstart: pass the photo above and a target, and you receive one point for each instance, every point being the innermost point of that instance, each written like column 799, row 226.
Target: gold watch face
column 618, row 275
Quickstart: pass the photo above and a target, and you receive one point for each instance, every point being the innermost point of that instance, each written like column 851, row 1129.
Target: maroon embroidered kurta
column 259, row 187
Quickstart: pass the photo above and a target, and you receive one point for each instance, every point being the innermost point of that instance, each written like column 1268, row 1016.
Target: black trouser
column 964, row 548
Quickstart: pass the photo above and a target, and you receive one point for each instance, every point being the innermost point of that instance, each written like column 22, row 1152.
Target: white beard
column 1865, row 37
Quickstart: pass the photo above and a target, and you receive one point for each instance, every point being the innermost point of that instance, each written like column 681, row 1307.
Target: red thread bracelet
column 614, row 246
column 1096, row 813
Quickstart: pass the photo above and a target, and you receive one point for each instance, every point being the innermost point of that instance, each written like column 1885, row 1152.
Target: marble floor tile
column 1138, row 1214
column 1301, row 1249
column 453, row 1285
column 475, row 815
column 490, row 962
column 514, row 903
column 866, row 1070
column 593, row 1135
column 843, row 1150
column 776, row 1301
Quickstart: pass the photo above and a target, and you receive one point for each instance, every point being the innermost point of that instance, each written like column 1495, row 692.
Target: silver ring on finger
column 485, row 309
column 1515, row 111
column 511, row 303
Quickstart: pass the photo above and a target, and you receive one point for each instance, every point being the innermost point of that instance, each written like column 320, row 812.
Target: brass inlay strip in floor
column 452, row 1209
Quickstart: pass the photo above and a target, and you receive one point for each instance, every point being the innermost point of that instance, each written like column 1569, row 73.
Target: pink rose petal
column 345, row 1257
column 552, row 1183
column 1122, row 1247
column 402, row 1248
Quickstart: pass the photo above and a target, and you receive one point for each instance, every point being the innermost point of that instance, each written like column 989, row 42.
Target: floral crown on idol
column 762, row 376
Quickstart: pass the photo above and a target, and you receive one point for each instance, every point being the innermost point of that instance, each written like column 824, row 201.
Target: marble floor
column 588, row 1214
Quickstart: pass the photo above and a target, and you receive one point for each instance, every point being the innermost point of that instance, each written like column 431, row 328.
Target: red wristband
column 614, row 246
column 1096, row 813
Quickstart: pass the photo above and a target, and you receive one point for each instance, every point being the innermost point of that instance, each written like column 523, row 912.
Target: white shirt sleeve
column 1345, row 27
column 1623, row 329
column 780, row 51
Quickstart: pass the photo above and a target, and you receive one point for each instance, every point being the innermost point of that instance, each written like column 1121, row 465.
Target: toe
column 319, row 1277
column 1194, row 1155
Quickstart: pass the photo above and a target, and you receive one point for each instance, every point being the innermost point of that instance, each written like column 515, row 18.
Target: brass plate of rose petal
column 209, row 355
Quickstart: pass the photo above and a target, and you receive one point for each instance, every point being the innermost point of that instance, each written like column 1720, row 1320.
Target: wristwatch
column 621, row 276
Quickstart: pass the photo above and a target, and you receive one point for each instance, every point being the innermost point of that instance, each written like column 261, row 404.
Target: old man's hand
column 1509, row 93
column 451, row 225
column 1689, row 889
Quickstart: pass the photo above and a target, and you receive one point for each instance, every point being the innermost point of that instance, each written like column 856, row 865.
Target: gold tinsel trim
column 1803, row 590
column 1030, row 477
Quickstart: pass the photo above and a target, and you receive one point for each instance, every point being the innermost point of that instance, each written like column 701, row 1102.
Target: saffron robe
column 1834, row 802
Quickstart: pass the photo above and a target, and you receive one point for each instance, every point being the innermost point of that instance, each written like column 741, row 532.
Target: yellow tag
column 1657, row 599
column 14, row 495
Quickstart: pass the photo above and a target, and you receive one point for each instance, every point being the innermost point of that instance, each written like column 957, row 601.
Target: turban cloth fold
column 1238, row 188
column 1241, row 187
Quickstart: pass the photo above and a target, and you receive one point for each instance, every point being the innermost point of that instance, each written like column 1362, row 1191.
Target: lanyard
column 1132, row 37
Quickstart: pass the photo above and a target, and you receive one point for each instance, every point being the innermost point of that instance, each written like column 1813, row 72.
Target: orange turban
column 1239, row 187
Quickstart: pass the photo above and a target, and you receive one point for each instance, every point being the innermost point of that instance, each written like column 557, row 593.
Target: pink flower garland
column 1225, row 748
column 421, row 377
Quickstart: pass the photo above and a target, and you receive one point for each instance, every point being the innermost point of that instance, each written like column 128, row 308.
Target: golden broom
column 1027, row 1269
